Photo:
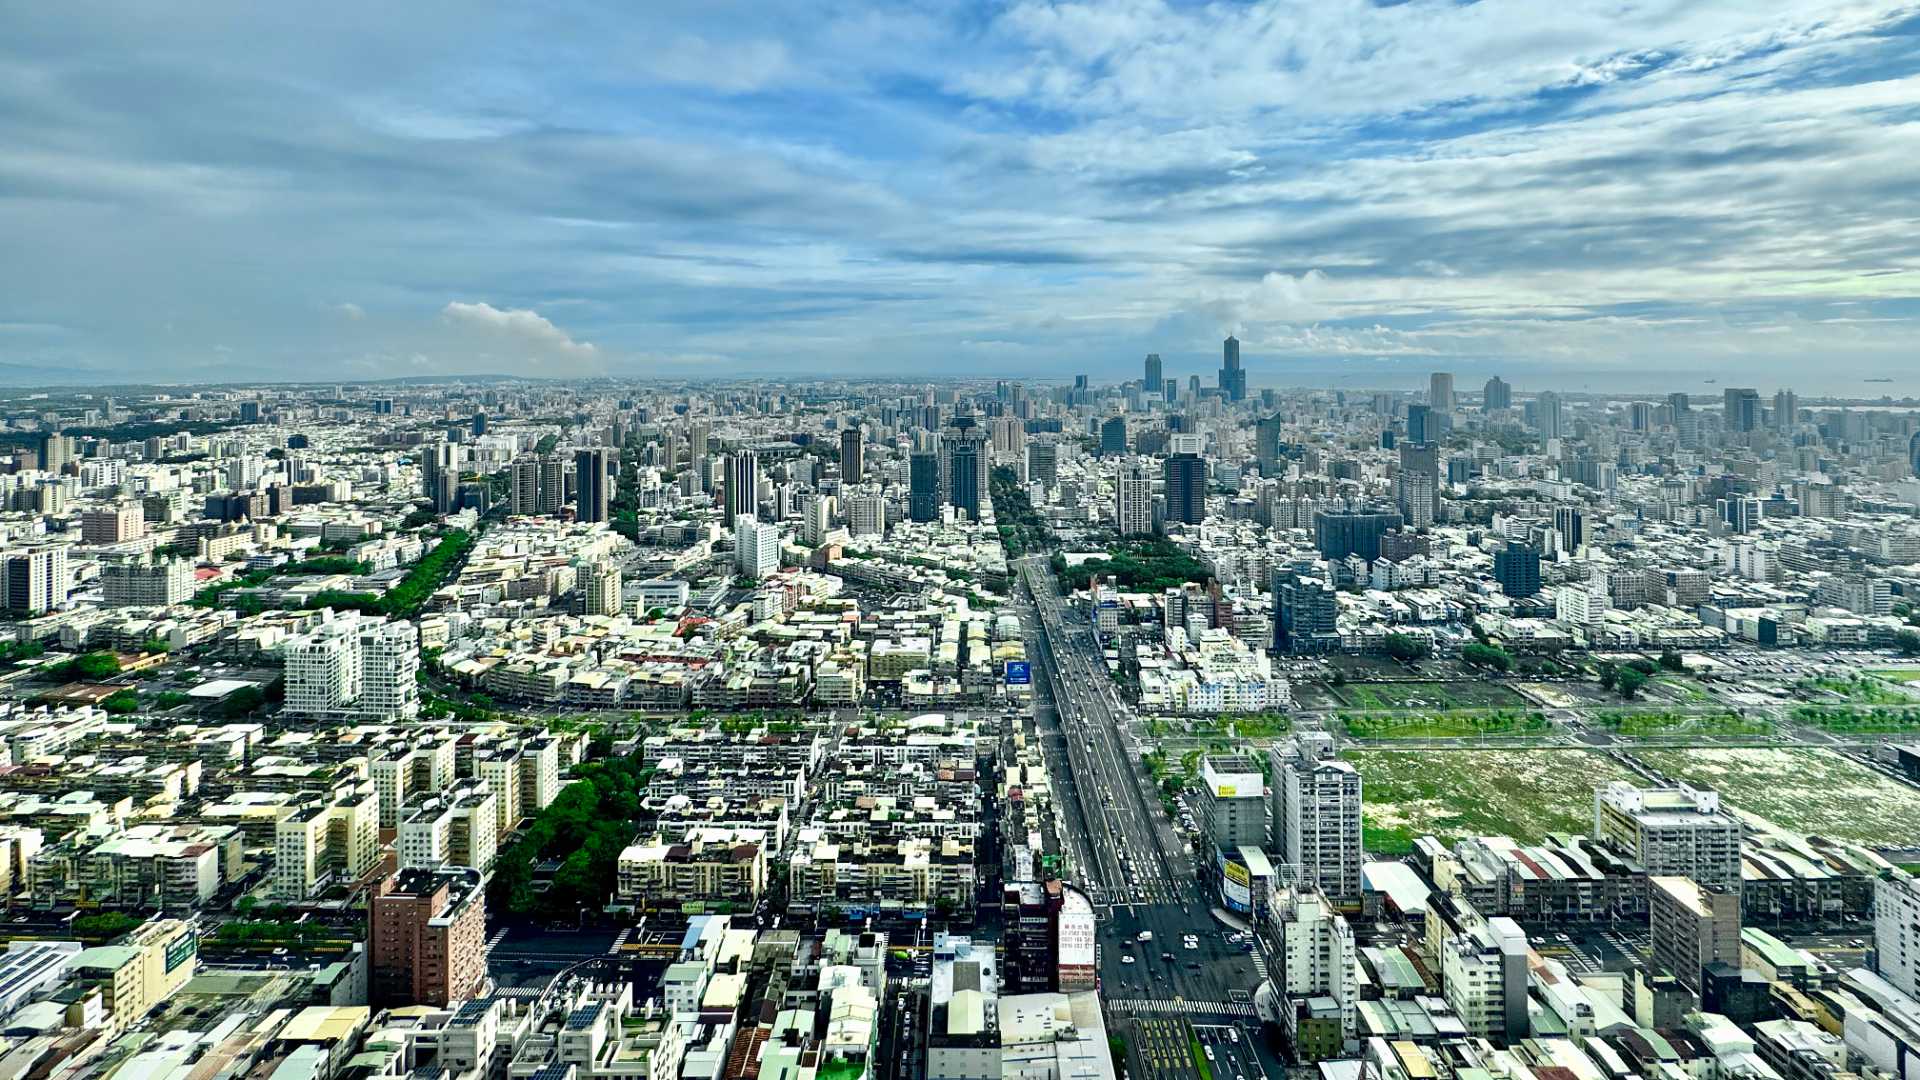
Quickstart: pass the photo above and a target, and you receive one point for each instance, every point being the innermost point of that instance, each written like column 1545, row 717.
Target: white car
column 1126, row 959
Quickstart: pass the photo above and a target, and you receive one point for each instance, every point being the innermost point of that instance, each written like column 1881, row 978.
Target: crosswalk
column 498, row 936
column 620, row 940
column 1138, row 1007
column 1260, row 964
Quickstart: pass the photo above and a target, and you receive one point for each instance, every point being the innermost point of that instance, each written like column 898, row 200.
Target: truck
column 1145, row 936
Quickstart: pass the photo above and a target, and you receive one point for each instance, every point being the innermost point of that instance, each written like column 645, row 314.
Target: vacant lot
column 1807, row 790
column 1428, row 695
column 1524, row 794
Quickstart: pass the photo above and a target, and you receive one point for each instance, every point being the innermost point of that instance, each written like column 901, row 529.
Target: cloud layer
column 1618, row 193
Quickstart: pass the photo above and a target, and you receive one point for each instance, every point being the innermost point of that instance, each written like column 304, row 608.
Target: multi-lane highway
column 1119, row 844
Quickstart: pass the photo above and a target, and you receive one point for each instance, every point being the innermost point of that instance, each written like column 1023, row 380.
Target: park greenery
column 1148, row 565
column 1406, row 648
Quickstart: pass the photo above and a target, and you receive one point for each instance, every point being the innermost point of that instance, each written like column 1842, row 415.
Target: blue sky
column 1584, row 194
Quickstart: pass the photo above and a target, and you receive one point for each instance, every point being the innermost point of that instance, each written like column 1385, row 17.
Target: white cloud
column 519, row 326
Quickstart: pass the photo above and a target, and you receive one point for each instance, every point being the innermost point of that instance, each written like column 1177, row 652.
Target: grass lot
column 1677, row 688
column 1524, row 794
column 1808, row 790
column 1899, row 675
column 1428, row 695
column 1858, row 690
column 1446, row 725
column 1640, row 723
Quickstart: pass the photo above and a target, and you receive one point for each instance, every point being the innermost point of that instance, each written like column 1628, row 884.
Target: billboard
column 1077, row 954
column 181, row 949
column 1019, row 673
column 1236, row 884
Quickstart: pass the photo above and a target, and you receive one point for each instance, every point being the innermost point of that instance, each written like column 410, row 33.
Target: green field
column 1428, row 695
column 1447, row 725
column 1524, row 794
column 1899, row 675
column 1640, row 723
column 1858, row 690
column 1807, row 790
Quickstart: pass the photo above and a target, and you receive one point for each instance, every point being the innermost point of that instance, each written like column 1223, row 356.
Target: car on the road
column 1127, row 959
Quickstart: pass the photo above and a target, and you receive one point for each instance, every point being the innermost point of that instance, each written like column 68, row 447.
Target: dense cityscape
column 1161, row 728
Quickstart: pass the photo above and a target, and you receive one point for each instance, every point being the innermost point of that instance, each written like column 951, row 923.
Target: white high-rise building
column 146, row 584
column 1440, row 391
column 867, row 513
column 1678, row 831
column 1896, row 930
column 354, row 668
column 756, row 547
column 36, row 580
column 1317, row 953
column 816, row 520
column 1133, row 499
column 1316, row 815
column 599, row 584
column 321, row 842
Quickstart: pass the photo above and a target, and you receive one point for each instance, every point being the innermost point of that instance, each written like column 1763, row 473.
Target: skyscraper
column 923, row 486
column 426, row 935
column 1339, row 534
column 1266, row 445
column 756, row 547
column 1517, row 569
column 1133, row 499
column 1185, row 485
column 1786, row 410
column 852, row 455
column 1420, row 423
column 1497, row 395
column 1305, row 615
column 552, row 493
column 1316, row 814
column 1155, row 380
column 1570, row 525
column 741, row 492
column 1742, row 408
column 1440, row 391
column 524, row 486
column 1417, row 486
column 1113, row 435
column 965, row 454
column 1233, row 378
column 1549, row 417
column 1913, row 453
column 1043, row 461
column 590, row 483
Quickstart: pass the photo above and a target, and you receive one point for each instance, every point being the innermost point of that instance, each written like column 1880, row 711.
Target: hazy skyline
column 1567, row 193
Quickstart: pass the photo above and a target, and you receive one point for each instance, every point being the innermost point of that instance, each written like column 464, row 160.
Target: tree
column 1405, row 648
column 1642, row 665
column 1609, row 674
column 96, row 665
column 242, row 702
column 1486, row 656
column 1908, row 642
column 120, row 704
column 1672, row 661
column 1630, row 680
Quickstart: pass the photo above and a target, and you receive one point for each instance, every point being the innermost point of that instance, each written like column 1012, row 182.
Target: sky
column 1618, row 194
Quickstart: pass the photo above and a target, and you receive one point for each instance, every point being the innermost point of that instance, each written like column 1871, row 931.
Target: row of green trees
column 586, row 827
